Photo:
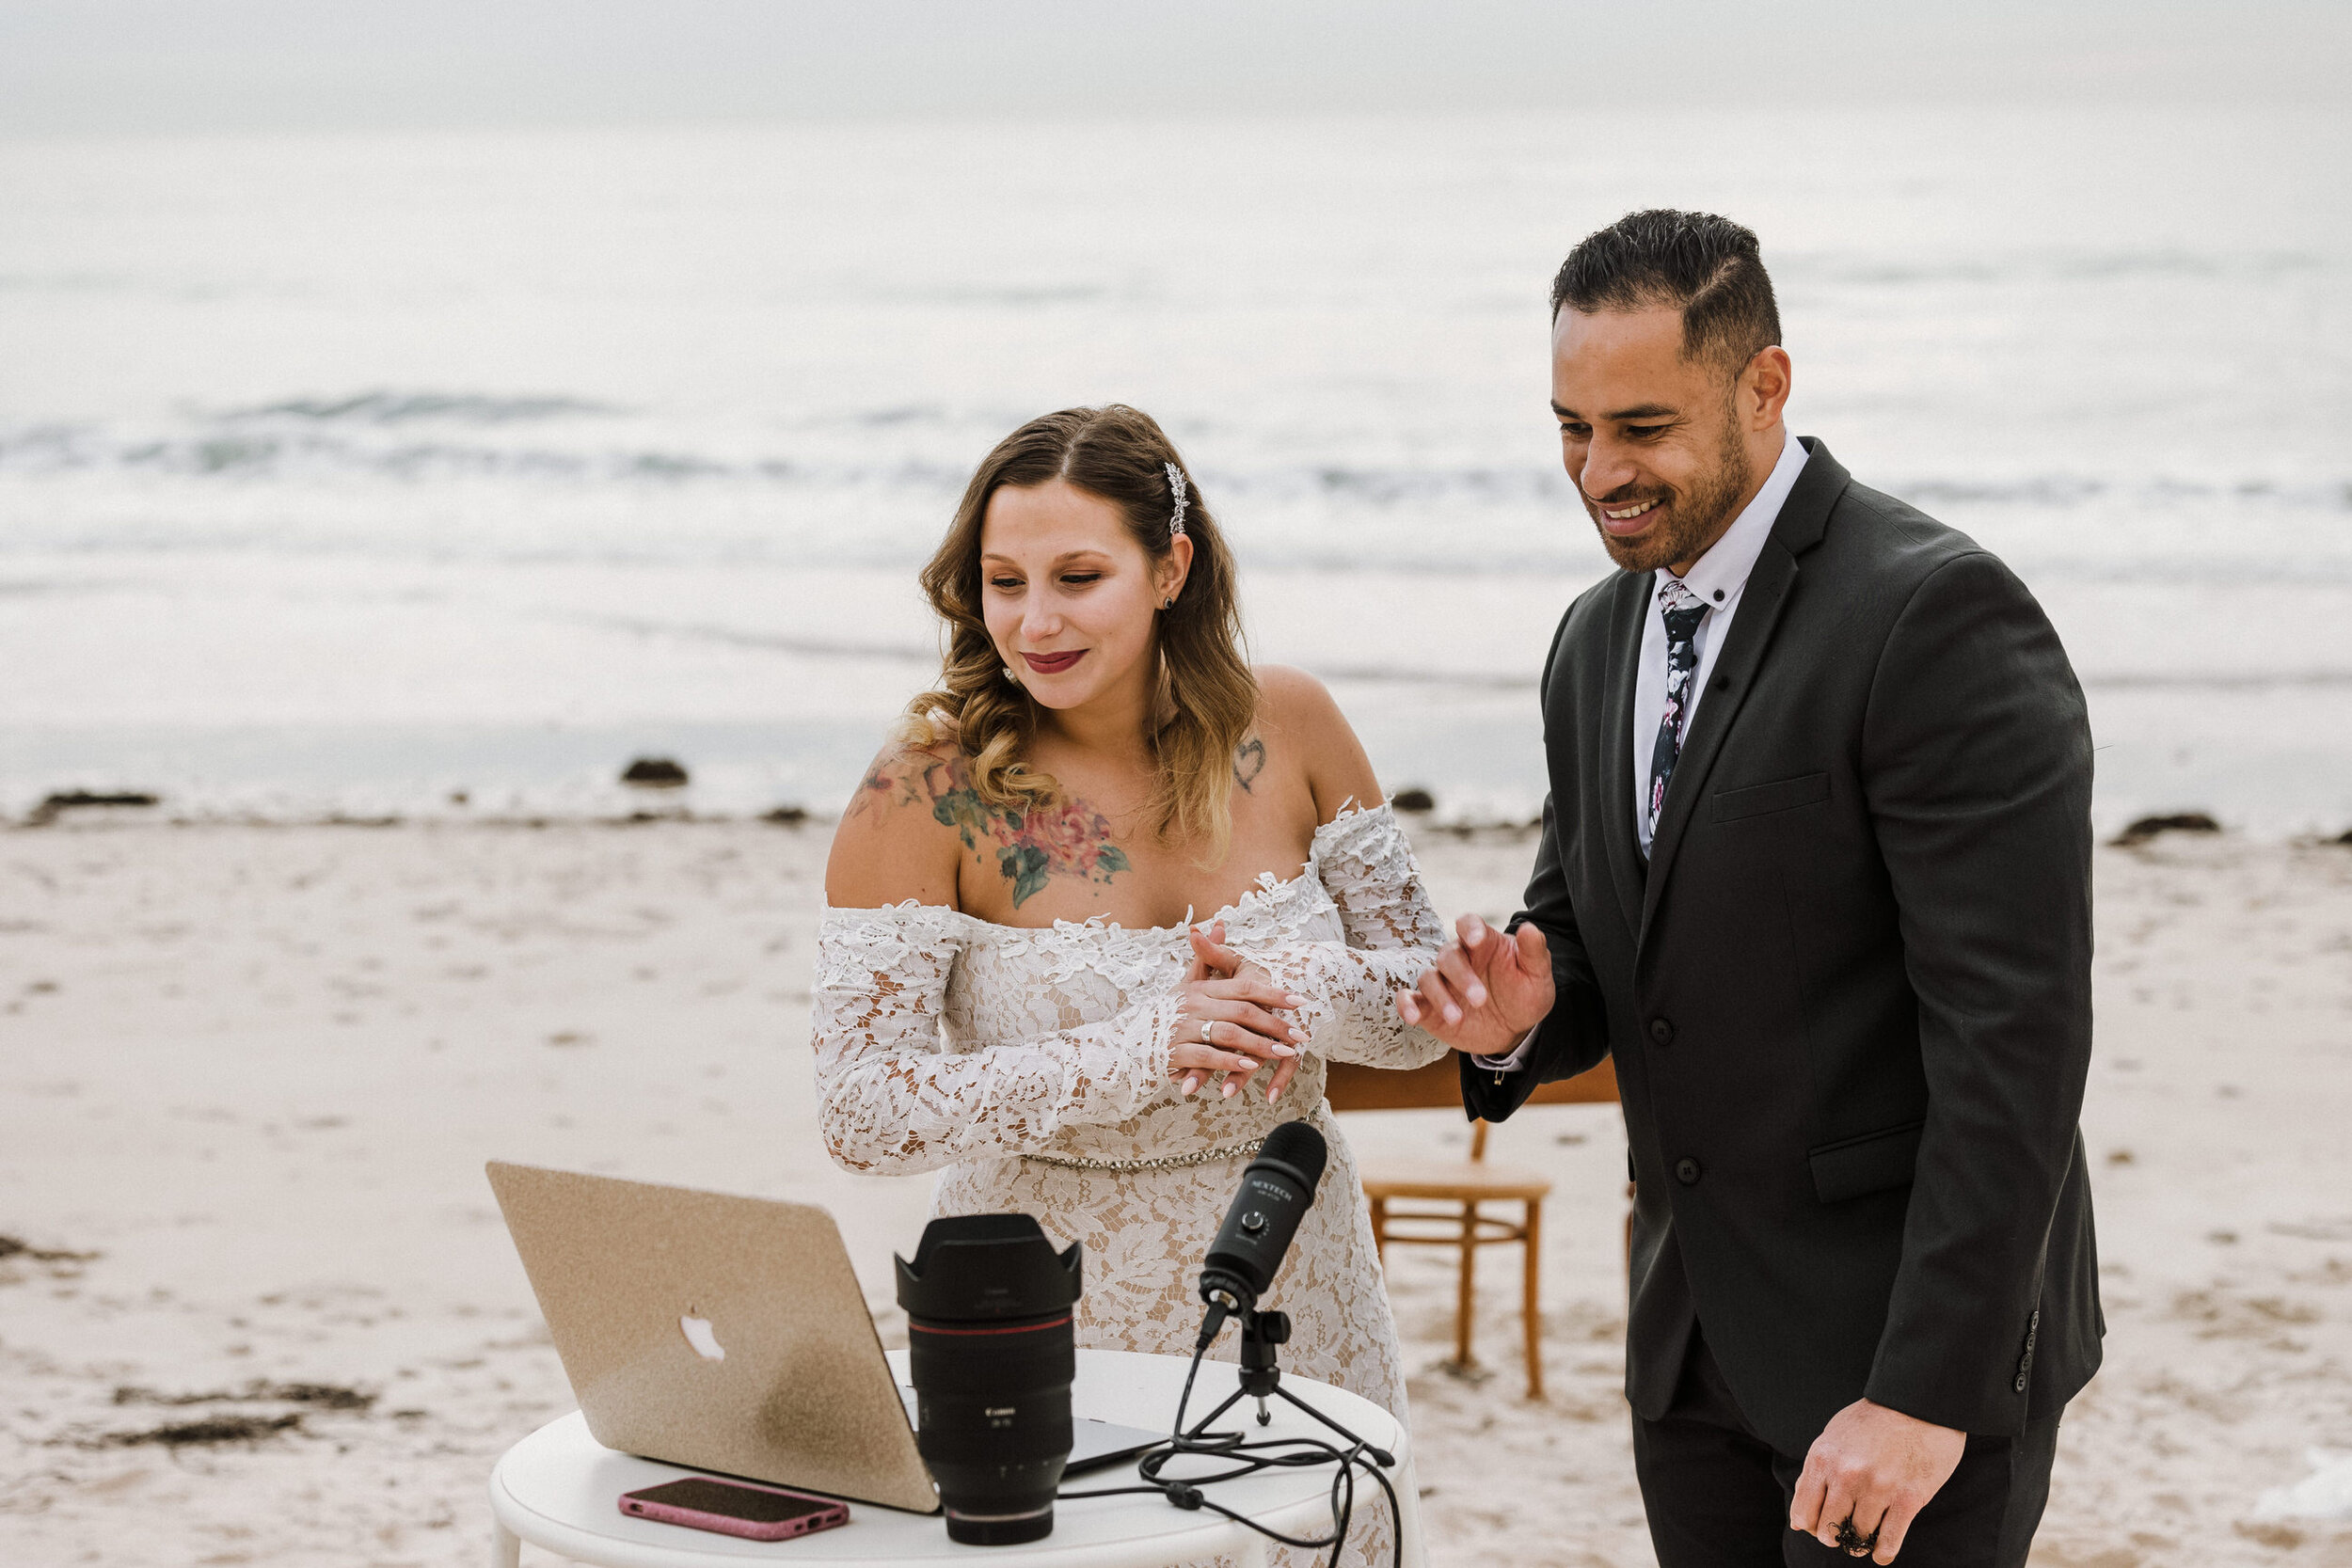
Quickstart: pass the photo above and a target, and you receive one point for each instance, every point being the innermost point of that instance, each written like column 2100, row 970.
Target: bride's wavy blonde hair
column 1208, row 699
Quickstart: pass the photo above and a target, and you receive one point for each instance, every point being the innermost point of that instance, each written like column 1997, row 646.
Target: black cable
column 1249, row 1459
column 1176, row 1432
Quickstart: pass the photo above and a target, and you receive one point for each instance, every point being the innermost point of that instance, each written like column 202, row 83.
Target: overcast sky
column 75, row 67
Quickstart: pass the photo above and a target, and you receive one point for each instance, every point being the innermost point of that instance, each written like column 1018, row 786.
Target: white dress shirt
column 1719, row 578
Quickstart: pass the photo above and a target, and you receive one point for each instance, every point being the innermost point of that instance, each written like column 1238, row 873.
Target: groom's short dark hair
column 1706, row 266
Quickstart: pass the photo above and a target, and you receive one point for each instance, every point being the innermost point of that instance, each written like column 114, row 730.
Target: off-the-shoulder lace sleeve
column 892, row 1097
column 1393, row 934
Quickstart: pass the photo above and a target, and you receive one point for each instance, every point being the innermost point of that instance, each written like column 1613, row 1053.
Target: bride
column 1009, row 987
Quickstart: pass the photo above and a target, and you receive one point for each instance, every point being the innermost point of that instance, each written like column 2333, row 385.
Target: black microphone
column 1275, row 1191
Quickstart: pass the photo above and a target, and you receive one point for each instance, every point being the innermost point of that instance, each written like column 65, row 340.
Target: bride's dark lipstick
column 1052, row 664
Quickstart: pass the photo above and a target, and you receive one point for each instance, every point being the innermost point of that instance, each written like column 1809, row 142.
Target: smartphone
column 741, row 1507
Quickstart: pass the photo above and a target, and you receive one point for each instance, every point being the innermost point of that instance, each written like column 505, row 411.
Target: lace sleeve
column 1393, row 934
column 892, row 1099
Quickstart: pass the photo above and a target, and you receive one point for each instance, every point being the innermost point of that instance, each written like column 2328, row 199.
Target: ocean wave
column 385, row 408
column 417, row 438
column 2216, row 680
column 2057, row 492
column 1386, row 486
column 228, row 451
column 296, row 441
column 738, row 637
column 2045, row 490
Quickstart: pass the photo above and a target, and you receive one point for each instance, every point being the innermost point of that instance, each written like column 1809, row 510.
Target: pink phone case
column 825, row 1515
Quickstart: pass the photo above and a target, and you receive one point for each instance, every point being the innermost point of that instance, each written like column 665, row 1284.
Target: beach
column 256, row 1306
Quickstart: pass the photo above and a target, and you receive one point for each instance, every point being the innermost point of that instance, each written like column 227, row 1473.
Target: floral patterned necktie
column 1682, row 611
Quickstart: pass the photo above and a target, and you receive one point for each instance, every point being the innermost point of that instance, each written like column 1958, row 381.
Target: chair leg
column 1381, row 1231
column 1466, row 1290
column 1531, row 1308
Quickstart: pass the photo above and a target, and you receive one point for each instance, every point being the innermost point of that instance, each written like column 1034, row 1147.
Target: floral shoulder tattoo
column 1066, row 838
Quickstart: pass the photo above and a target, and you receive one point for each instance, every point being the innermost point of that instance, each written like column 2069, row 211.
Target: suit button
column 1687, row 1172
column 2020, row 1384
column 1662, row 1031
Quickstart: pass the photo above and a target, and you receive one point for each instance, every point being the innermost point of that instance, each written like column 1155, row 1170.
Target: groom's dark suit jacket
column 1848, row 996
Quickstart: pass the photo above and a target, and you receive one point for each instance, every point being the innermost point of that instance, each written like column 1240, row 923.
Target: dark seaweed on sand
column 2148, row 826
column 11, row 1247
column 212, row 1429
column 64, row 800
column 325, row 1396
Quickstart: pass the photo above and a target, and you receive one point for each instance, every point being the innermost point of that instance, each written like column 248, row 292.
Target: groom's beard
column 1692, row 517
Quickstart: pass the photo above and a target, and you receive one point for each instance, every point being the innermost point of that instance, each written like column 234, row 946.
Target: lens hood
column 984, row 1268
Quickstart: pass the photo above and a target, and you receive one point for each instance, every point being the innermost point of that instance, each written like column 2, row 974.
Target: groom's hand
column 1487, row 989
column 1873, row 1469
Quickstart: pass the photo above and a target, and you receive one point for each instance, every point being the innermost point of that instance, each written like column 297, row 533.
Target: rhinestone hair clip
column 1176, row 483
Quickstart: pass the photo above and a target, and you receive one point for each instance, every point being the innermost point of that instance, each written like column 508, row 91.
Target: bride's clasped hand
column 1229, row 1024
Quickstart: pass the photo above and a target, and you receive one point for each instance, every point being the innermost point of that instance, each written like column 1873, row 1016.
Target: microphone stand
column 1262, row 1333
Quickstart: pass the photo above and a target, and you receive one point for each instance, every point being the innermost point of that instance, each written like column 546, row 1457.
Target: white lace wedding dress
column 1048, row 1092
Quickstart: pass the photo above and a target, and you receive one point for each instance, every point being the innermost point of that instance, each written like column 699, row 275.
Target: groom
column 1815, row 871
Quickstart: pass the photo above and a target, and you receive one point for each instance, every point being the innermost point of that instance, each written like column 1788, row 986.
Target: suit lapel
column 1799, row 527
column 1616, row 752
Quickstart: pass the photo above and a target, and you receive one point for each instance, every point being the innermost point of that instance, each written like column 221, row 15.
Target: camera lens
column 988, row 1304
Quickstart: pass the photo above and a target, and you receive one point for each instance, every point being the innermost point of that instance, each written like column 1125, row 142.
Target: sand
column 249, row 1075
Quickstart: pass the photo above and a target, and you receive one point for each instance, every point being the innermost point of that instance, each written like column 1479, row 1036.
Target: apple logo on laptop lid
column 699, row 1334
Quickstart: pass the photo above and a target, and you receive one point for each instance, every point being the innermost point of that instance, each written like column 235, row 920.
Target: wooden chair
column 1435, row 1203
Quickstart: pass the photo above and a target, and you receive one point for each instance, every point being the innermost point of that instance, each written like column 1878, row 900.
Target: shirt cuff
column 1512, row 1063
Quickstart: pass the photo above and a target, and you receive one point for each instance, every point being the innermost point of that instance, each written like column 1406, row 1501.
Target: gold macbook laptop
column 717, row 1333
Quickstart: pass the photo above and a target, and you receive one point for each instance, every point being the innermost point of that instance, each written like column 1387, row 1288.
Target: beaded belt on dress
column 1162, row 1161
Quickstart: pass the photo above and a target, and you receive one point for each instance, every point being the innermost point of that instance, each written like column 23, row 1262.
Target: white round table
column 559, row 1488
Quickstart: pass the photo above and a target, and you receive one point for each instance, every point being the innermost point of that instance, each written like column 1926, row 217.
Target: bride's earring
column 1011, row 677
column 1168, row 603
